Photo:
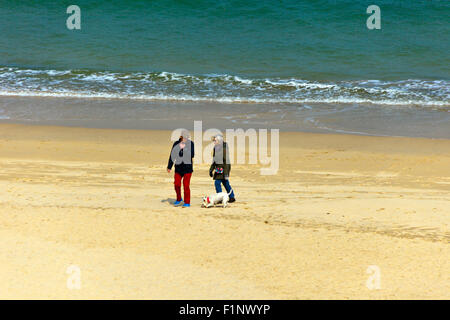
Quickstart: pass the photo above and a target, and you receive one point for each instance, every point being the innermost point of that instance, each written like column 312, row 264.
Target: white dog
column 216, row 198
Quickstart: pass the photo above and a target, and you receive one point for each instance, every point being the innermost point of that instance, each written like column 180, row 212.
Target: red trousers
column 186, row 181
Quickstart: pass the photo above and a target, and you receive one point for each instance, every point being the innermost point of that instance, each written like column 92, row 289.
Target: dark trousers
column 226, row 184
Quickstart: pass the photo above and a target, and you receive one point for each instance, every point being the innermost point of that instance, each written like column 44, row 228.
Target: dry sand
column 100, row 200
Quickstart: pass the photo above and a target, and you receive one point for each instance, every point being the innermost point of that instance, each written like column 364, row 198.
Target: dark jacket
column 221, row 161
column 182, row 158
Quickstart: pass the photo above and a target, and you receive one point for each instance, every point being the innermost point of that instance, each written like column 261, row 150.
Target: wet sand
column 350, row 118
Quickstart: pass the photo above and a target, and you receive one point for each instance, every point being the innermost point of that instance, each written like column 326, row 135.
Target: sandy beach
column 100, row 200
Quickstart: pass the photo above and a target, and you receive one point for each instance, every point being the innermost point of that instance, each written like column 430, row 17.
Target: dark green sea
column 289, row 54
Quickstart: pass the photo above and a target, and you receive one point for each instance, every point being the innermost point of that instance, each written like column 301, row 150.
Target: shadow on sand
column 169, row 200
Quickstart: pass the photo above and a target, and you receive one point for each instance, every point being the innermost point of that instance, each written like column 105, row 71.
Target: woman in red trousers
column 181, row 155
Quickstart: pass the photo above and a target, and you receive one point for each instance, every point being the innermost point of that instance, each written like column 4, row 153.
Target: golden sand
column 100, row 200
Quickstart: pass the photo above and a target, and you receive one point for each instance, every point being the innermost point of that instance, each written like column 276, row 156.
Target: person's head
column 184, row 135
column 218, row 139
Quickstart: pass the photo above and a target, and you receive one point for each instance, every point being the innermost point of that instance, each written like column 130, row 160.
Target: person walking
column 221, row 167
column 181, row 155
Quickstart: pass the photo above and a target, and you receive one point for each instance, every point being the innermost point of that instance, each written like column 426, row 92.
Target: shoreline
column 317, row 118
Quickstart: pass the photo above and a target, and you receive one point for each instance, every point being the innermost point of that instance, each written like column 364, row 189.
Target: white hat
column 218, row 137
column 185, row 134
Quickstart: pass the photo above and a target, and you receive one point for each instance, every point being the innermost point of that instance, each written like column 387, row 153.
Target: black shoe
column 231, row 200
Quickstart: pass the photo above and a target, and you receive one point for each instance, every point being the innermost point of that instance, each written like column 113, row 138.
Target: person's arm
column 227, row 167
column 170, row 163
column 213, row 164
column 226, row 154
column 211, row 169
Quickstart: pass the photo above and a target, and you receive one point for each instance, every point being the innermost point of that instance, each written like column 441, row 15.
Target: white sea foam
column 189, row 98
column 169, row 86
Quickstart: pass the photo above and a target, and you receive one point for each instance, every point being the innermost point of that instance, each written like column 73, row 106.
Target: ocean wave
column 169, row 86
column 189, row 98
